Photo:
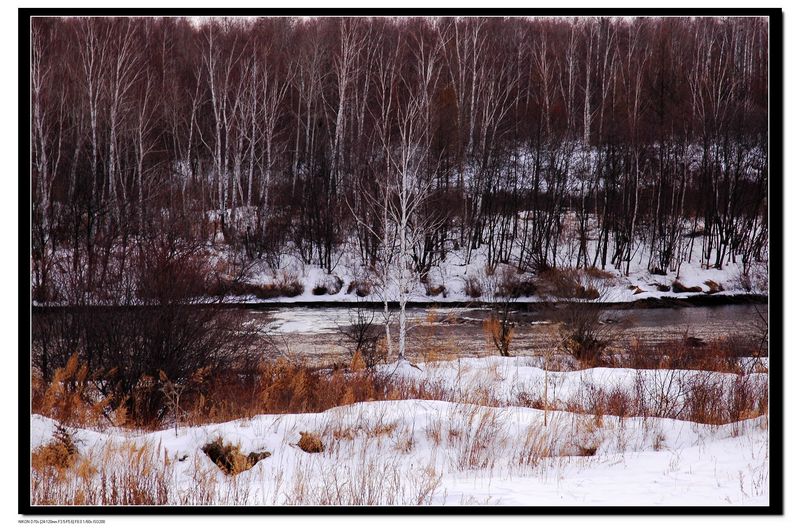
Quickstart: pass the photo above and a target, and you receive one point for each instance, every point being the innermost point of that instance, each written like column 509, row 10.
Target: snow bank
column 437, row 452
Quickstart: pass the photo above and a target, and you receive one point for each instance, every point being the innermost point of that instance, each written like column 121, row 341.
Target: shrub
column 357, row 362
column 586, row 284
column 289, row 285
column 58, row 455
column 330, row 285
column 435, row 290
column 500, row 332
column 582, row 333
column 362, row 334
column 264, row 291
column 509, row 284
column 169, row 271
column 560, row 283
column 68, row 397
column 362, row 288
column 587, row 293
column 598, row 274
column 118, row 356
column 473, row 287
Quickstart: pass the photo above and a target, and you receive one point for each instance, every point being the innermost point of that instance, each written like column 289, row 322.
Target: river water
column 319, row 334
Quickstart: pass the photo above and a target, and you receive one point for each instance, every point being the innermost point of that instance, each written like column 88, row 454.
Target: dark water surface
column 316, row 333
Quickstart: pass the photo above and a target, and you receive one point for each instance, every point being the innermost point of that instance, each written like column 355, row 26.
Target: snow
column 444, row 453
column 505, row 379
column 458, row 267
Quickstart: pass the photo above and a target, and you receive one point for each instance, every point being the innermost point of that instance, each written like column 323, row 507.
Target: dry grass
column 117, row 474
column 288, row 285
column 284, row 387
column 56, row 457
column 330, row 285
column 361, row 286
column 585, row 284
column 310, row 443
column 678, row 287
column 276, row 387
column 69, row 398
column 474, row 438
column 367, row 481
column 699, row 397
column 127, row 473
column 477, row 445
column 229, row 457
column 500, row 333
column 720, row 355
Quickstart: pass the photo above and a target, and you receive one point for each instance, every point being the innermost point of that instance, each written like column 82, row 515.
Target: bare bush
column 362, row 333
column 362, row 287
column 473, row 287
column 501, row 289
column 124, row 348
column 581, row 330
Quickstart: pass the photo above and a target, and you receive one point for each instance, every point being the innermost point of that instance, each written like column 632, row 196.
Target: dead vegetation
column 717, row 389
column 229, row 457
column 581, row 284
column 310, row 443
column 361, row 286
column 57, row 456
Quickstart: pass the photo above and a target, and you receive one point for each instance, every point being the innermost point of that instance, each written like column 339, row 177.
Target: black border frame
column 776, row 301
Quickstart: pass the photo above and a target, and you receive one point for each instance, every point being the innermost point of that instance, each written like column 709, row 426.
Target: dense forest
column 396, row 139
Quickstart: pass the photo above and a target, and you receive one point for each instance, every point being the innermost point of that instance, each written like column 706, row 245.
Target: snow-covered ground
column 510, row 380
column 450, row 452
column 458, row 268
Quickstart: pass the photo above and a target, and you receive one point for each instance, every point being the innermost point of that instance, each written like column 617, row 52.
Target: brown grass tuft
column 310, row 443
column 68, row 398
column 57, row 456
column 229, row 458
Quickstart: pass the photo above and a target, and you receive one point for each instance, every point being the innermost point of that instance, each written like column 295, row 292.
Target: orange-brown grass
column 286, row 387
column 229, row 457
column 54, row 459
column 276, row 387
column 697, row 397
column 129, row 473
column 718, row 355
column 499, row 334
column 310, row 443
column 120, row 474
column 283, row 387
column 68, row 398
